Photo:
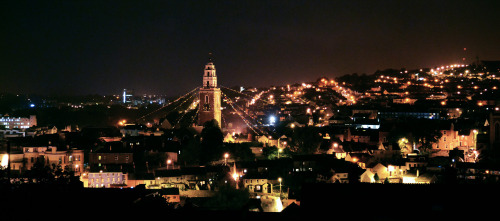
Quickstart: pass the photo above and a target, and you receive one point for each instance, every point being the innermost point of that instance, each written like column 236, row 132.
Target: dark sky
column 161, row 47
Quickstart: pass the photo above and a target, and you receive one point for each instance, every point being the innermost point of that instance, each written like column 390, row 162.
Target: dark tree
column 271, row 153
column 376, row 177
column 211, row 142
column 191, row 152
column 228, row 198
column 305, row 140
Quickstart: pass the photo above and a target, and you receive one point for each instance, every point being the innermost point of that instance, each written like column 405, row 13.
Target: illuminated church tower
column 209, row 107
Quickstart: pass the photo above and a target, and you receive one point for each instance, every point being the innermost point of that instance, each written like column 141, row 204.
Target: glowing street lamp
column 226, row 155
column 169, row 161
column 279, row 179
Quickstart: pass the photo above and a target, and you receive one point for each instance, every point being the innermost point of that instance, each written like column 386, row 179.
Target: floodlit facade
column 106, row 179
column 262, row 186
column 18, row 122
column 72, row 159
column 210, row 97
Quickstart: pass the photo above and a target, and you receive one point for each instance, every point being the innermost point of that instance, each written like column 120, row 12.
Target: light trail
column 192, row 106
column 246, row 94
column 168, row 104
column 239, row 114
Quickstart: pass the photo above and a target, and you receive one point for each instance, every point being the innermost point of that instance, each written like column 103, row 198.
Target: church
column 210, row 97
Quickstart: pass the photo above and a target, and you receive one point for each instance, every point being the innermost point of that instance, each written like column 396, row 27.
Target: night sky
column 161, row 47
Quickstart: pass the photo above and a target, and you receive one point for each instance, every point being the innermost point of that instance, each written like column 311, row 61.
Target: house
column 243, row 138
column 448, row 140
column 149, row 132
column 340, row 177
column 170, row 179
column 268, row 141
column 107, row 179
column 417, row 178
column 257, row 151
column 367, row 177
column 337, row 150
column 12, row 133
column 171, row 195
column 195, row 178
column 415, row 161
column 359, row 158
column 112, row 155
column 382, row 172
column 18, row 122
column 133, row 130
column 229, row 138
column 257, row 184
column 135, row 179
column 387, row 151
column 68, row 159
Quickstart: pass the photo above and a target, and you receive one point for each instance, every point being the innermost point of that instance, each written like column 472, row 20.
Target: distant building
column 257, row 184
column 107, row 179
column 72, row 159
column 18, row 122
column 12, row 133
column 127, row 96
column 404, row 114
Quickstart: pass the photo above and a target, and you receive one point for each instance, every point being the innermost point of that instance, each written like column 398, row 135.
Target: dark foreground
column 318, row 201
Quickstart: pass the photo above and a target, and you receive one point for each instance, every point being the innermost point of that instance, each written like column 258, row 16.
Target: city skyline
column 161, row 47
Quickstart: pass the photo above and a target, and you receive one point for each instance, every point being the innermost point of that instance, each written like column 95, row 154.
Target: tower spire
column 210, row 57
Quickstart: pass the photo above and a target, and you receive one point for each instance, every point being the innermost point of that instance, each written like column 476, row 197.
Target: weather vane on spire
column 210, row 56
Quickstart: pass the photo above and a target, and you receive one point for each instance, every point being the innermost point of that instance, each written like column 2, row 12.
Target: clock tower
column 210, row 102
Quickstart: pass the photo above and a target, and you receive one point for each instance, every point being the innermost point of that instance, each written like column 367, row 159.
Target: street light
column 226, row 155
column 169, row 161
column 279, row 179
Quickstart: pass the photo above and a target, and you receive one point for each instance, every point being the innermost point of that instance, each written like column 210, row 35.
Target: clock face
column 206, row 107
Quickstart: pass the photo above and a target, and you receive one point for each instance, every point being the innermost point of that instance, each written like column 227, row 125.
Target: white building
column 106, row 179
column 18, row 122
column 68, row 159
